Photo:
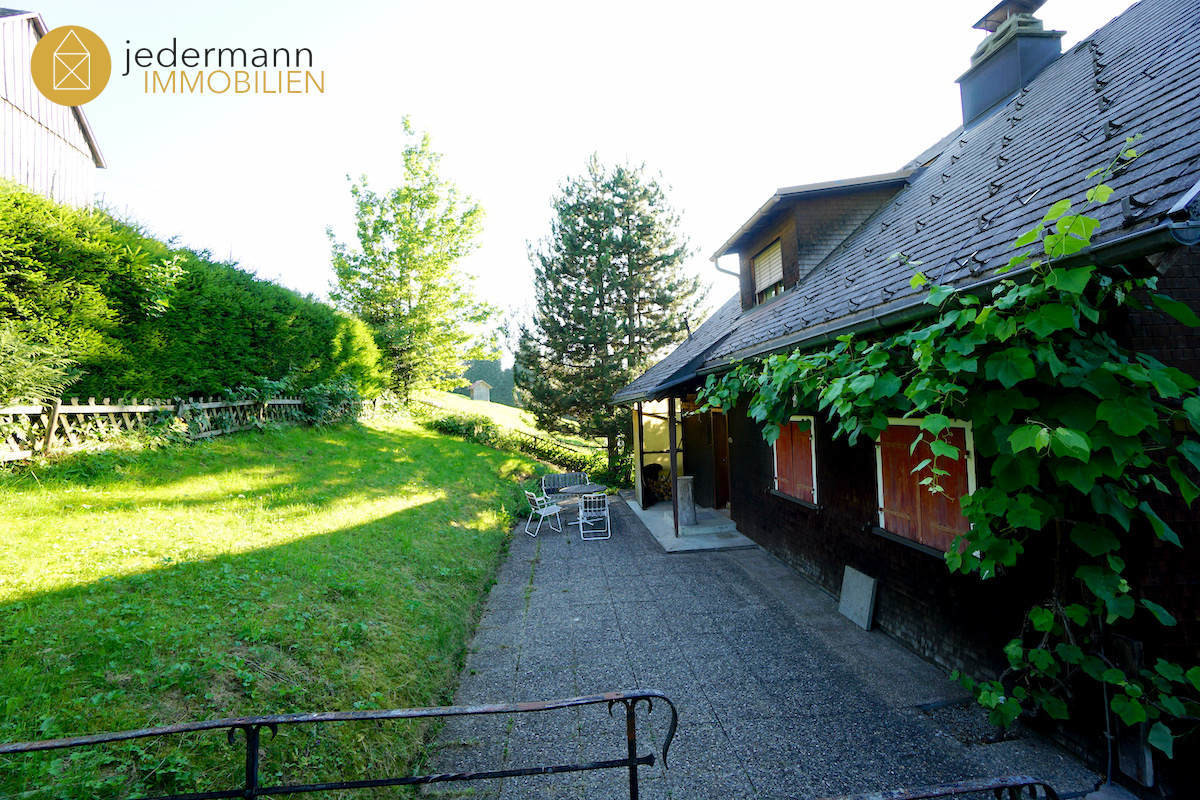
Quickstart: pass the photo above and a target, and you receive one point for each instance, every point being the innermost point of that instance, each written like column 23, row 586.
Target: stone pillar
column 687, row 500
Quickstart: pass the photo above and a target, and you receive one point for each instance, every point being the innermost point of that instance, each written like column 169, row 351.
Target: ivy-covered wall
column 939, row 615
column 957, row 620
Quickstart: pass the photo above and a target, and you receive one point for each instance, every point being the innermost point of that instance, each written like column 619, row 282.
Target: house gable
column 978, row 190
column 45, row 147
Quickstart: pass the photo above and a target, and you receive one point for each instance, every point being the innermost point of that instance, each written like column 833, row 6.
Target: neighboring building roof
column 480, row 384
column 961, row 212
column 683, row 362
column 39, row 25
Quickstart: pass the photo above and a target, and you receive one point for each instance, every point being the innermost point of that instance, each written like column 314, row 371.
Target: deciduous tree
column 400, row 275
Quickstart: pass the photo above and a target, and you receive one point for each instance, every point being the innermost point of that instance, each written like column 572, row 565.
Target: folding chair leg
column 556, row 519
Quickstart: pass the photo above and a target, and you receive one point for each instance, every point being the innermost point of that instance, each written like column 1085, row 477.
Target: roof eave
column 89, row 136
column 1114, row 251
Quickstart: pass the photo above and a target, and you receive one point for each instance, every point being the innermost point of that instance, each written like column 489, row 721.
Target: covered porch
column 681, row 473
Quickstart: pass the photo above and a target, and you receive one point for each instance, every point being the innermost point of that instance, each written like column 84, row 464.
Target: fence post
column 51, row 424
column 179, row 406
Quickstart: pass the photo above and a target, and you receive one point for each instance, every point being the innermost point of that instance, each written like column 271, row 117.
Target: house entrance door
column 720, row 432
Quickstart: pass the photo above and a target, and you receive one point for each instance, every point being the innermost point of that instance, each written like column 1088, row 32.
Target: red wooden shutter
column 793, row 462
column 941, row 514
column 910, row 509
column 901, row 514
column 783, row 460
column 802, row 463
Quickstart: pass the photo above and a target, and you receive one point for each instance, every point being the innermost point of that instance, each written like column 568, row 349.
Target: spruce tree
column 611, row 294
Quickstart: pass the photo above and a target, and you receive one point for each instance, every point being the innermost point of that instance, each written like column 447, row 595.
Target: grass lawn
column 505, row 416
column 292, row 570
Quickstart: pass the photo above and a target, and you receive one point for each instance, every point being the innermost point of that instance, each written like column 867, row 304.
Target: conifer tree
column 611, row 294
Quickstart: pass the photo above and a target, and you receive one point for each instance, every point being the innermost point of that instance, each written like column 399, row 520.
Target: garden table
column 583, row 488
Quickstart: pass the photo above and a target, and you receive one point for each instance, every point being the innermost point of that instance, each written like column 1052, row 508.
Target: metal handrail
column 251, row 728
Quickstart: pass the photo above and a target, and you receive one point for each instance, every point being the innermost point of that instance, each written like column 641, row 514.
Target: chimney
column 1016, row 50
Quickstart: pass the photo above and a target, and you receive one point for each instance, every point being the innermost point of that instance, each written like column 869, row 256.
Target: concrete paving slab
column 714, row 531
column 778, row 695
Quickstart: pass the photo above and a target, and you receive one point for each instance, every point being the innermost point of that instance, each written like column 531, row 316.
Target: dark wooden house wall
column 1167, row 575
column 954, row 620
column 957, row 620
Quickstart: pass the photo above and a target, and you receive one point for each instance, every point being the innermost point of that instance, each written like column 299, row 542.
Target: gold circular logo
column 70, row 65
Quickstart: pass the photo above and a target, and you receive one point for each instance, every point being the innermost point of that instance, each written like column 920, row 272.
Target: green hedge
column 144, row 318
column 483, row 430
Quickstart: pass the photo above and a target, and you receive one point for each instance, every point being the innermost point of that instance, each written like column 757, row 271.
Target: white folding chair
column 593, row 517
column 541, row 507
column 555, row 482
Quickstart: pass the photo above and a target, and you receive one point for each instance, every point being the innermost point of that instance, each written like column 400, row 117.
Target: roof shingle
column 979, row 188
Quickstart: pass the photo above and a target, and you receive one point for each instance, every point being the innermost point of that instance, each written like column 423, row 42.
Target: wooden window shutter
column 794, row 463
column 899, row 512
column 803, row 480
column 768, row 267
column 911, row 510
column 941, row 514
column 783, row 460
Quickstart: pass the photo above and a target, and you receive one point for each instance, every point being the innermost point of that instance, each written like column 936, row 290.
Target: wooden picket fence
column 27, row 430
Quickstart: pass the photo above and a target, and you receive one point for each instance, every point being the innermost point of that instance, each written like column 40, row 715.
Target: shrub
column 28, row 370
column 483, row 430
column 331, row 402
column 144, row 318
column 475, row 427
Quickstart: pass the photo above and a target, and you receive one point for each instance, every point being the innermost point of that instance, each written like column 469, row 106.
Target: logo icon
column 70, row 65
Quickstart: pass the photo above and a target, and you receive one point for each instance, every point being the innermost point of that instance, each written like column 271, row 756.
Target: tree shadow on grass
column 373, row 615
column 251, row 492
column 315, row 466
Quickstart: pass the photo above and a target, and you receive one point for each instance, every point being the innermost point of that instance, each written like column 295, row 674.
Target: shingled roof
column 683, row 362
column 979, row 188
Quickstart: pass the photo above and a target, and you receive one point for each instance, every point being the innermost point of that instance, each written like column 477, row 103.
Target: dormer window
column 768, row 272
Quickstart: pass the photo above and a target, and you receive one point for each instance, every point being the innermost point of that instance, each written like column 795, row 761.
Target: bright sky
column 727, row 100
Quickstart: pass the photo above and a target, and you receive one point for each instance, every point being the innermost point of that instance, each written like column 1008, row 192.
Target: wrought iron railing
column 1015, row 787
column 252, row 727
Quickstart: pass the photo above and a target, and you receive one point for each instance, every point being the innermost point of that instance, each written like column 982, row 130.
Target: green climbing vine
column 1077, row 438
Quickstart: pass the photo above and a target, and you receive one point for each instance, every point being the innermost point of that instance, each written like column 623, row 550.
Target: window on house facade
column 910, row 510
column 796, row 460
column 768, row 272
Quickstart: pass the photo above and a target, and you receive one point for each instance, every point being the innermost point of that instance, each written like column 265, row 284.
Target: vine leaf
column 935, row 423
column 1071, row 443
column 1010, row 366
column 1072, row 281
column 1129, row 709
column 1180, row 311
column 1049, row 319
column 1057, row 210
column 1042, row 619
column 1027, row 437
column 1162, row 615
column 1161, row 529
column 1161, row 737
column 1094, row 540
column 1128, row 416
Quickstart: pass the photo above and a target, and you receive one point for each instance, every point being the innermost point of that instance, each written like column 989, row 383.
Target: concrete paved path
column 778, row 695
